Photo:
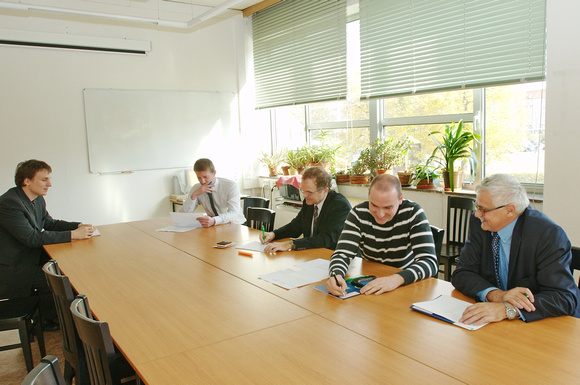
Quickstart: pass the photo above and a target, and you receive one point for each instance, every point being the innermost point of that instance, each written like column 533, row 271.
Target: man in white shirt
column 219, row 197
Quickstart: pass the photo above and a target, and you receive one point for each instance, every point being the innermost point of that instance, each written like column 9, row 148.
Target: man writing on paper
column 386, row 229
column 25, row 226
column 320, row 219
column 516, row 260
column 219, row 197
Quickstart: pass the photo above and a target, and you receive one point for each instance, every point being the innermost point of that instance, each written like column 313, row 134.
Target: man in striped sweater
column 389, row 230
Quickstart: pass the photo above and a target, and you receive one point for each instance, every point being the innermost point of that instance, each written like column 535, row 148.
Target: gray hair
column 504, row 190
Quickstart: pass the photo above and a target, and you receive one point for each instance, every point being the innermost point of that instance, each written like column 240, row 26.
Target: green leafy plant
column 358, row 168
column 453, row 144
column 297, row 159
column 271, row 161
column 389, row 153
column 425, row 171
column 322, row 153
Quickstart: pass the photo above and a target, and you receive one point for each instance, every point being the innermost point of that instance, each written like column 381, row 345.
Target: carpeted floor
column 12, row 366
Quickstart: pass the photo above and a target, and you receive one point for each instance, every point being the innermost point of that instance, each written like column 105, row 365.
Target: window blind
column 411, row 46
column 299, row 52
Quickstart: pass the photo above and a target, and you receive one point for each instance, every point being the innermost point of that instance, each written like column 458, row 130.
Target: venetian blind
column 299, row 52
column 410, row 46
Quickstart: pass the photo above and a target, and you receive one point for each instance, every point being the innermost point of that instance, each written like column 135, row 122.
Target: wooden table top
column 190, row 311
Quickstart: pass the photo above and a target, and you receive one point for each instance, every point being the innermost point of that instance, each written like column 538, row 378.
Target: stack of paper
column 446, row 308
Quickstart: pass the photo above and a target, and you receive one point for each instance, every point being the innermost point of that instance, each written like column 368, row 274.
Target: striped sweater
column 405, row 242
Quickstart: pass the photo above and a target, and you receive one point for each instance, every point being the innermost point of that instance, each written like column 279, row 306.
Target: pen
column 336, row 279
column 526, row 295
column 263, row 233
column 246, row 254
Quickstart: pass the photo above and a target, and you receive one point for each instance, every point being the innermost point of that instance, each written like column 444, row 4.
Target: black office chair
column 254, row 202
column 46, row 373
column 575, row 264
column 104, row 365
column 23, row 314
column 438, row 238
column 258, row 217
column 72, row 349
column 459, row 210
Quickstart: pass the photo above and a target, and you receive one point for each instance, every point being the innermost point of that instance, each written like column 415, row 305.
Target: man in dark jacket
column 516, row 260
column 25, row 226
column 320, row 219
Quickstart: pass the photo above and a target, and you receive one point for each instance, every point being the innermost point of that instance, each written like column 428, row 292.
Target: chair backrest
column 459, row 210
column 47, row 372
column 255, row 202
column 97, row 344
column 258, row 217
column 575, row 264
column 63, row 295
column 438, row 238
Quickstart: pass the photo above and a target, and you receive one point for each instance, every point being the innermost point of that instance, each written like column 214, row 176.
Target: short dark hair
column 28, row 169
column 321, row 177
column 385, row 182
column 203, row 164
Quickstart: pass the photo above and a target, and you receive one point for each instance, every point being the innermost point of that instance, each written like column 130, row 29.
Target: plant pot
column 425, row 184
column 341, row 178
column 457, row 180
column 285, row 170
column 405, row 178
column 359, row 179
column 300, row 170
column 273, row 171
column 292, row 171
column 381, row 171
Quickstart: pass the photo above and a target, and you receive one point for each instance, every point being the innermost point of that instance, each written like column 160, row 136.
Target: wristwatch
column 510, row 312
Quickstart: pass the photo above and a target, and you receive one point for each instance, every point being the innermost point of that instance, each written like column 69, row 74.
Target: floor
column 12, row 366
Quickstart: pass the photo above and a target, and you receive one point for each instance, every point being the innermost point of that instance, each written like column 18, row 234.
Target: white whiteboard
column 130, row 130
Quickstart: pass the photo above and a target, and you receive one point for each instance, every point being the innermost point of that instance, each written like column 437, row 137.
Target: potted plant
column 297, row 160
column 322, row 154
column 424, row 175
column 453, row 144
column 272, row 161
column 357, row 172
column 342, row 176
column 405, row 177
column 388, row 153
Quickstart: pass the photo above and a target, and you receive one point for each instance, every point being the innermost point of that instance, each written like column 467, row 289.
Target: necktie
column 495, row 251
column 213, row 207
column 315, row 217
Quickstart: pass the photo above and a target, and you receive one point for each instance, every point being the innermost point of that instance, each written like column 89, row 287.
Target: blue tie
column 495, row 250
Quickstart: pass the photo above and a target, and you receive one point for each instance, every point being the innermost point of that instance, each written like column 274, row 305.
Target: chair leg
column 25, row 343
column 39, row 336
column 447, row 272
column 69, row 373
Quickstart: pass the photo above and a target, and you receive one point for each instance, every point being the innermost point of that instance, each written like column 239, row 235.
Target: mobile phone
column 224, row 244
column 361, row 281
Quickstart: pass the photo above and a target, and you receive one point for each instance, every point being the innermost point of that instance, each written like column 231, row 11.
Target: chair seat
column 451, row 251
column 13, row 311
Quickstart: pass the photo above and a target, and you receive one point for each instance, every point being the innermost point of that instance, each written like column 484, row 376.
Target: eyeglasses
column 485, row 211
column 310, row 192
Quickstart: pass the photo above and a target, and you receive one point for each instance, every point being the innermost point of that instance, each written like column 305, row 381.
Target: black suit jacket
column 328, row 225
column 24, row 228
column 539, row 260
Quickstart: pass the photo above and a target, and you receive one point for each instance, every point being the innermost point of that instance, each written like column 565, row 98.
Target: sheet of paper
column 96, row 233
column 351, row 291
column 447, row 307
column 253, row 246
column 299, row 275
column 183, row 222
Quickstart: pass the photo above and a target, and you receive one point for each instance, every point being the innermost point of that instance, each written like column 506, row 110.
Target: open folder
column 446, row 308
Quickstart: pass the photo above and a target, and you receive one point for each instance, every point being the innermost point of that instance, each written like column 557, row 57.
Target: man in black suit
column 25, row 226
column 516, row 260
column 329, row 207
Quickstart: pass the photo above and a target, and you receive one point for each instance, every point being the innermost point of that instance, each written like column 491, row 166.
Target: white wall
column 42, row 112
column 562, row 184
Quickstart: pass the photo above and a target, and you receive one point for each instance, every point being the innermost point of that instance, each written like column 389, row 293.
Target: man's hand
column 383, row 284
column 203, row 189
column 519, row 297
column 269, row 237
column 206, row 221
column 83, row 231
column 333, row 288
column 278, row 246
column 483, row 312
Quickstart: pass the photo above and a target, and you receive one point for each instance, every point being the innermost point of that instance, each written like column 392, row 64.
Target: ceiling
column 169, row 13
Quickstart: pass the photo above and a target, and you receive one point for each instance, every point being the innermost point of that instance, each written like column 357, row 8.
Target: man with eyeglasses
column 386, row 229
column 516, row 261
column 320, row 220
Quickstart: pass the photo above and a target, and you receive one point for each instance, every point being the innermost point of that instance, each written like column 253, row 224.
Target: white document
column 253, row 246
column 446, row 308
column 299, row 275
column 183, row 222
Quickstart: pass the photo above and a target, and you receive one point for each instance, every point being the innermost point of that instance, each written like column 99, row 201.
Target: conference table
column 184, row 312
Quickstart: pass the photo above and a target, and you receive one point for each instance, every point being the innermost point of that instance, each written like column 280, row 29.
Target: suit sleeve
column 330, row 225
column 294, row 228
